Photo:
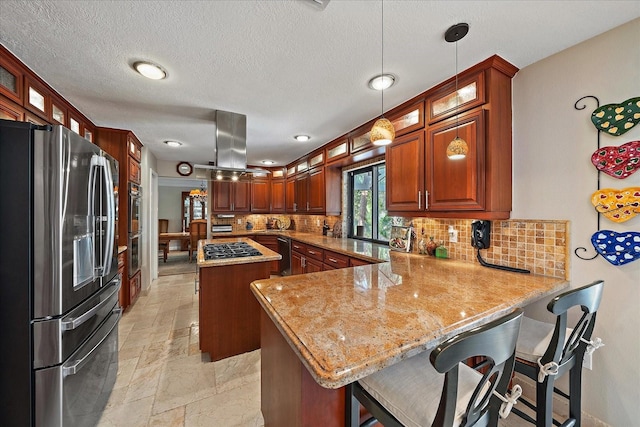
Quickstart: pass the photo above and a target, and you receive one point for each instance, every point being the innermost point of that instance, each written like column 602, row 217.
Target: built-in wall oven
column 135, row 229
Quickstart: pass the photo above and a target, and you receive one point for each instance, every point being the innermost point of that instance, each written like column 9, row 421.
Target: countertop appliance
column 58, row 277
column 229, row 250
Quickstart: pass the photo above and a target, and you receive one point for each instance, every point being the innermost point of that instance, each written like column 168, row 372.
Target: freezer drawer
column 76, row 392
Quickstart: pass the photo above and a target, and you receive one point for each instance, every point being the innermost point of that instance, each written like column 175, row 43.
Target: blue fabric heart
column 617, row 248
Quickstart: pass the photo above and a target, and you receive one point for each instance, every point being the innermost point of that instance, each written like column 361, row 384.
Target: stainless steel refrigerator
column 58, row 277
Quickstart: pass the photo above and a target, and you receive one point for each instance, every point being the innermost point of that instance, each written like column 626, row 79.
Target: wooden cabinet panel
column 11, row 85
column 134, row 147
column 446, row 102
column 260, row 196
column 298, row 247
column 312, row 265
column 314, row 252
column 408, row 119
column 335, row 260
column 241, row 196
column 296, row 263
column 337, row 150
column 456, row 184
column 278, row 196
column 302, row 193
column 134, row 171
column 316, row 191
column 290, row 195
column 356, row 262
column 270, row 242
column 222, row 197
column 9, row 111
column 405, row 173
column 231, row 196
column 134, row 287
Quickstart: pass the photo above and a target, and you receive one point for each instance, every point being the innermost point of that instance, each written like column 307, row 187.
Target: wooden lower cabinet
column 135, row 286
column 356, row 262
column 270, row 242
column 123, row 295
column 289, row 394
column 229, row 313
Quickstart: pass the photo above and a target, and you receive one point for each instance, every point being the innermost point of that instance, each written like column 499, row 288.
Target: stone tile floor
column 163, row 379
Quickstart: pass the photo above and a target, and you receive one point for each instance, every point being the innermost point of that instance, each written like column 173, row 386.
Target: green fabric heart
column 616, row 119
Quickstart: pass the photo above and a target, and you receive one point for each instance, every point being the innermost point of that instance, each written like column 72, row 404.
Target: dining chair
column 163, row 227
column 546, row 351
column 438, row 388
column 197, row 231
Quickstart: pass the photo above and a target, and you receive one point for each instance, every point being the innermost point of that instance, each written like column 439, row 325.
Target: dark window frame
column 351, row 233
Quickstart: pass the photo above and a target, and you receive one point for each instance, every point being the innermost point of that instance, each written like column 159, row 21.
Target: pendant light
column 382, row 132
column 457, row 148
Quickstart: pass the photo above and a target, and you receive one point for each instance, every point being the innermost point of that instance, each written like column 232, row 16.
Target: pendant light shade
column 457, row 148
column 382, row 132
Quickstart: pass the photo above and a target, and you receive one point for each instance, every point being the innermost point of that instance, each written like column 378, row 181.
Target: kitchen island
column 324, row 330
column 229, row 315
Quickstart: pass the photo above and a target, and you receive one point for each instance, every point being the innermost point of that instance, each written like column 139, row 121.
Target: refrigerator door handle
column 79, row 362
column 74, row 322
column 111, row 220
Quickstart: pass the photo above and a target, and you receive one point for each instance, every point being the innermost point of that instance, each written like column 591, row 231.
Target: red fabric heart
column 618, row 162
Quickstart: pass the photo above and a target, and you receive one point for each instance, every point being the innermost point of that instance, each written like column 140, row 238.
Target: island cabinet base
column 290, row 396
column 229, row 313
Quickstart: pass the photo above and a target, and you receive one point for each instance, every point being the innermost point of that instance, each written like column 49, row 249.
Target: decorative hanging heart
column 618, row 162
column 617, row 248
column 616, row 119
column 617, row 205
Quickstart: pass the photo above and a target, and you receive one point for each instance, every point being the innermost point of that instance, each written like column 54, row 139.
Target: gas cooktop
column 229, row 250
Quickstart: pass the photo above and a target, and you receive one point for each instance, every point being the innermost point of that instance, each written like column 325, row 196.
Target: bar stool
column 415, row 393
column 545, row 352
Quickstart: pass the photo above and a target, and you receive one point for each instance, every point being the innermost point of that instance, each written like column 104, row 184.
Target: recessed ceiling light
column 150, row 70
column 302, row 138
column 382, row 81
column 173, row 143
column 268, row 162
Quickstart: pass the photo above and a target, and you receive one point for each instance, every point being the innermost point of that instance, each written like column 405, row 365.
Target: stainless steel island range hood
column 231, row 148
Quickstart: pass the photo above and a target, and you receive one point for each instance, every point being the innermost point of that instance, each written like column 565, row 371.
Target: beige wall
column 554, row 179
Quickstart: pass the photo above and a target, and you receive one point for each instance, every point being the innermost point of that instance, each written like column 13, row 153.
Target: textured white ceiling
column 289, row 67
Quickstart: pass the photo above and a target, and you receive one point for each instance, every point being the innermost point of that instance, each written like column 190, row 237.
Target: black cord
column 501, row 267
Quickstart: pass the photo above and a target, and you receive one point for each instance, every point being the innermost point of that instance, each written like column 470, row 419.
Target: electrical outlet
column 587, row 361
column 305, row 222
column 453, row 234
column 239, row 221
column 317, row 222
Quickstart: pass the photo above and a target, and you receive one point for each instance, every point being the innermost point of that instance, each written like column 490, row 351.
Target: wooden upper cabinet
column 231, row 196
column 37, row 99
column 290, row 195
column 316, row 191
column 59, row 113
column 134, row 147
column 134, row 171
column 456, row 184
column 360, row 139
column 478, row 186
column 405, row 163
column 9, row 111
column 337, row 150
column 302, row 193
column 291, row 171
column 11, row 84
column 446, row 102
column 75, row 124
column 278, row 195
column 260, row 195
column 408, row 119
column 316, row 159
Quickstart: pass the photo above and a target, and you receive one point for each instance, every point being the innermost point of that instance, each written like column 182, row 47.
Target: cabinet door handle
column 426, row 200
column 312, row 252
column 307, row 205
column 295, row 207
column 419, row 200
column 333, row 260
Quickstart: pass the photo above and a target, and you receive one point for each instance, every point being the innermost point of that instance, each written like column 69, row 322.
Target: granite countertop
column 372, row 252
column 346, row 324
column 267, row 254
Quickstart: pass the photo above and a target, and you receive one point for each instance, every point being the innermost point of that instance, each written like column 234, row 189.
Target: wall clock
column 185, row 169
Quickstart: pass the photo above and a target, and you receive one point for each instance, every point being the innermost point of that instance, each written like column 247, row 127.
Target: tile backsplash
column 536, row 245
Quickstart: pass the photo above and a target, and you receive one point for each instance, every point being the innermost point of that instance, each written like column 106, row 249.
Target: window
column 368, row 218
